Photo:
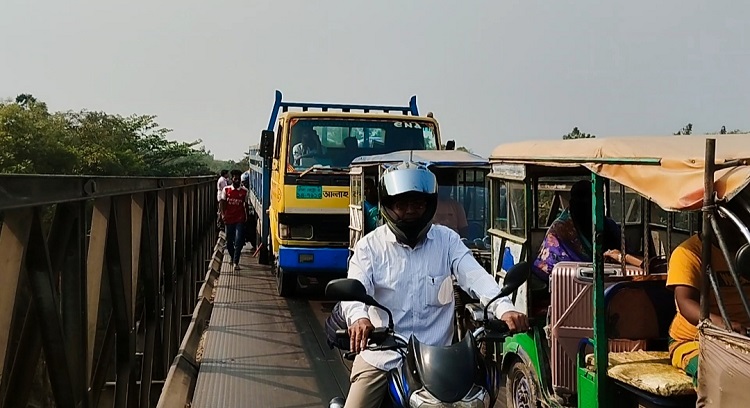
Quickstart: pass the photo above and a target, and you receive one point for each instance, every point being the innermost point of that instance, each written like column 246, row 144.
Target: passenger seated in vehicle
column 450, row 212
column 684, row 277
column 309, row 146
column 371, row 205
column 569, row 236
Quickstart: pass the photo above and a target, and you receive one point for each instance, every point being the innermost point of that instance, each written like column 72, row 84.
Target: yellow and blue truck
column 300, row 190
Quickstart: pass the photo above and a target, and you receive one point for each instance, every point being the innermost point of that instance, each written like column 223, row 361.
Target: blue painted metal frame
column 305, row 106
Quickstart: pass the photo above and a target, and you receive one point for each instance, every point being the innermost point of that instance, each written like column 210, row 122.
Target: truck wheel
column 286, row 284
column 520, row 387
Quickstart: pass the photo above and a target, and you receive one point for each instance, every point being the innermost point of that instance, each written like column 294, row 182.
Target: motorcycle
column 458, row 375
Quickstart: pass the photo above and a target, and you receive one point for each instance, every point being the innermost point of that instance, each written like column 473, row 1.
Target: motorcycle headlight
column 477, row 397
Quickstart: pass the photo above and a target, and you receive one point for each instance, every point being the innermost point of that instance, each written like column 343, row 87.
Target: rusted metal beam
column 169, row 324
column 122, row 256
column 14, row 234
column 66, row 242
column 22, row 190
column 103, row 362
column 22, row 365
column 124, row 340
column 150, row 268
column 44, row 294
column 136, row 225
column 94, row 272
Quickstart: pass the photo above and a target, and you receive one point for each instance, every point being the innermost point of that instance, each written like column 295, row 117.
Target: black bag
column 336, row 321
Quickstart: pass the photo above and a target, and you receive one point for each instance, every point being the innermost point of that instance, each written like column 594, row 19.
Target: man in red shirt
column 233, row 207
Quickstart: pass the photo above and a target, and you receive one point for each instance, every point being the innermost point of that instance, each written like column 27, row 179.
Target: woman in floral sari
column 569, row 236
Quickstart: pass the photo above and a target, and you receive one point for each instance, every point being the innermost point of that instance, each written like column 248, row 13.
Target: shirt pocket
column 438, row 290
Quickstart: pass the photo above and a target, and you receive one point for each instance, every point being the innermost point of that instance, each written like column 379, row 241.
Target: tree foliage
column 724, row 131
column 37, row 141
column 686, row 130
column 577, row 134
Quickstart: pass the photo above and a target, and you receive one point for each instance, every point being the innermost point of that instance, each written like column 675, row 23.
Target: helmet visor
column 416, row 180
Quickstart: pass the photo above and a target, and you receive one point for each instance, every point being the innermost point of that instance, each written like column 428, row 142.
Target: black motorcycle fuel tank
column 448, row 372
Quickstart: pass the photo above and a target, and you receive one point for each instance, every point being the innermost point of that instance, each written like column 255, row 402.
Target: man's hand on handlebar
column 358, row 334
column 517, row 322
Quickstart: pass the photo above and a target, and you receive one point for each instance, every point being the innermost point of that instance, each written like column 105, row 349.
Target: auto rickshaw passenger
column 684, row 277
column 569, row 236
column 371, row 205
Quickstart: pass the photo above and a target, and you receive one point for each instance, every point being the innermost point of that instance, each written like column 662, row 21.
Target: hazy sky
column 491, row 71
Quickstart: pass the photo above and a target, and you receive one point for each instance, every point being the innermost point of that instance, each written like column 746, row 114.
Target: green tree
column 33, row 140
column 577, row 134
column 37, row 141
column 686, row 130
column 724, row 131
column 25, row 100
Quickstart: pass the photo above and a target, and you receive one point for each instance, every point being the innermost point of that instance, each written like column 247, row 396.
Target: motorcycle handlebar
column 378, row 335
column 497, row 325
column 495, row 330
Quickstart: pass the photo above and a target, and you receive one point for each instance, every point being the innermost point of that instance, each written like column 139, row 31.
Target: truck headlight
column 284, row 231
column 303, row 231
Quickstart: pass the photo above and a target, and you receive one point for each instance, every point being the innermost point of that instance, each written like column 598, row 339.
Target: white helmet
column 408, row 180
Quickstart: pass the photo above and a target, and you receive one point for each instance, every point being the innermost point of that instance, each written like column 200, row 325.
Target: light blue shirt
column 416, row 285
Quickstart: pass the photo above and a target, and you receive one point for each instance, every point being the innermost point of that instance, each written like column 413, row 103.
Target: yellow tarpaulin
column 676, row 183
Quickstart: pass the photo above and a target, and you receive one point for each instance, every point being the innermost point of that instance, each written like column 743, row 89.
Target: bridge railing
column 100, row 276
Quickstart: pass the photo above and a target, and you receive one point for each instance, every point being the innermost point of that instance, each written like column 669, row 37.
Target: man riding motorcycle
column 406, row 266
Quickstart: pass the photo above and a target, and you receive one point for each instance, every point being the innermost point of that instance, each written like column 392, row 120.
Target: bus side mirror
column 266, row 144
column 451, row 145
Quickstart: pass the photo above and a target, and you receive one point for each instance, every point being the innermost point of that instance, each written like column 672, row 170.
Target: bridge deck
column 262, row 350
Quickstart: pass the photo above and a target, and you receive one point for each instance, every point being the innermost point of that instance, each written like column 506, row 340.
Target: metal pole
column 266, row 254
column 600, row 335
column 623, row 221
column 707, row 232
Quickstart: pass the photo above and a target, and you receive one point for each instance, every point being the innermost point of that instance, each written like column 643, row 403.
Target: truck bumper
column 313, row 261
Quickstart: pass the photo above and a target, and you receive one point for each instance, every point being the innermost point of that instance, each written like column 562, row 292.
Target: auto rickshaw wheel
column 520, row 387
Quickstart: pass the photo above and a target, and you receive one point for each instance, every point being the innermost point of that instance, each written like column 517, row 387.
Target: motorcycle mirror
column 516, row 276
column 348, row 290
column 352, row 290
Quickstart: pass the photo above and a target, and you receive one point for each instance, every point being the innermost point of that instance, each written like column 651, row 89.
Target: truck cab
column 303, row 169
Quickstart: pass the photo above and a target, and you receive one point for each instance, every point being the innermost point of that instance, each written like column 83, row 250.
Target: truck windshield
column 336, row 142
